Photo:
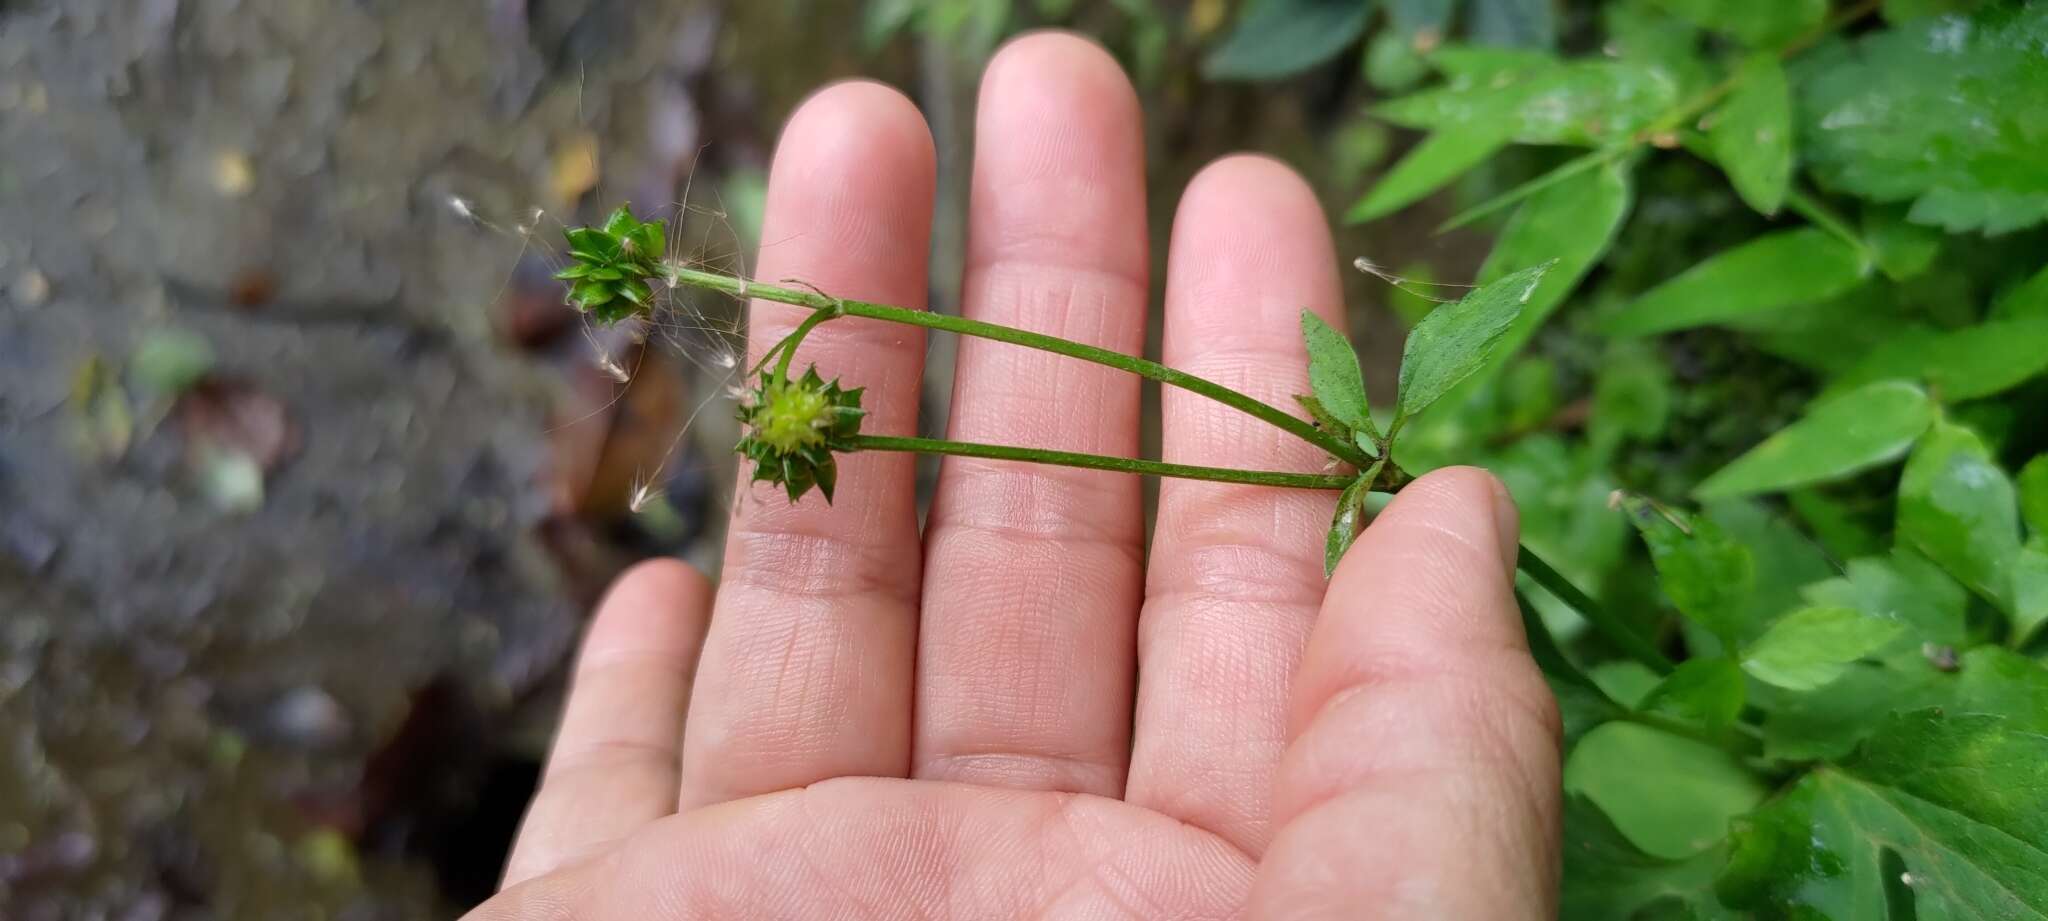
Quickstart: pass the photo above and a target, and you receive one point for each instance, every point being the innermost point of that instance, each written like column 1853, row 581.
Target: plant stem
column 1099, row 462
column 1609, row 626
column 1150, row 370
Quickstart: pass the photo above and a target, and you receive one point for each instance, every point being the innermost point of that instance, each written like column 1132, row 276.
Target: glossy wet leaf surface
column 1958, row 799
column 1943, row 112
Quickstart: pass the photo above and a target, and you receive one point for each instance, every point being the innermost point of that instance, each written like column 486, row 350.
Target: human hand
column 1019, row 713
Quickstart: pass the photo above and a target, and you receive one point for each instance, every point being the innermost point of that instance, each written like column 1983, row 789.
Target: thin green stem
column 1619, row 633
column 1098, row 462
column 1150, row 370
column 796, row 337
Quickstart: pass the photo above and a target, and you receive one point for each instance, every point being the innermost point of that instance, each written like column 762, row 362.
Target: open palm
column 1019, row 713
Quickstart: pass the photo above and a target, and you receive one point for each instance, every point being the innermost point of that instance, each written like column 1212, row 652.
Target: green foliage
column 1752, row 134
column 1770, row 288
column 1668, row 795
column 1788, row 268
column 1282, row 37
column 613, row 265
column 1861, row 428
column 1931, row 112
column 1454, row 341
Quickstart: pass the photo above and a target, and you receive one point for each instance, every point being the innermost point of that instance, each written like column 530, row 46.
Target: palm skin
column 1017, row 711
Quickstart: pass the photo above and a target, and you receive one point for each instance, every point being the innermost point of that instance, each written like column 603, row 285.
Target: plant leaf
column 2033, row 487
column 1756, row 23
column 1344, row 527
column 1960, row 509
column 1810, row 648
column 1669, row 795
column 2028, row 299
column 1853, row 431
column 1572, row 223
column 1455, row 340
column 1579, row 102
column 1706, row 574
column 1606, row 876
column 1954, row 800
column 1708, row 690
column 1786, row 268
column 1334, row 374
column 1963, row 364
column 1904, row 587
column 1279, row 38
column 1443, row 156
column 1943, row 111
column 1752, row 133
column 1903, row 249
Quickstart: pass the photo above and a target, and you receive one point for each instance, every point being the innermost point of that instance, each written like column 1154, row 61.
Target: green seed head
column 792, row 428
column 614, row 265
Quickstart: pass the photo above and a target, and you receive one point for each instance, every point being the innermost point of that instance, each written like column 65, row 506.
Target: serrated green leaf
column 1279, row 38
column 1812, row 647
column 2033, row 487
column 1959, row 508
column 1904, row 587
column 1455, row 340
column 1957, row 365
column 1786, row 268
column 1350, row 515
column 1579, row 103
column 1443, row 156
column 1512, row 23
column 1573, row 223
column 1756, row 23
column 1752, row 133
column 1709, row 691
column 1787, row 559
column 1708, row 575
column 1853, row 431
column 1829, row 723
column 1323, row 419
column 1670, row 796
column 1942, row 111
column 1957, row 799
column 1334, row 374
column 1606, row 877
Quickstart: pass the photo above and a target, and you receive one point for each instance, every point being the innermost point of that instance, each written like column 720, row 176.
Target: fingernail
column 1507, row 524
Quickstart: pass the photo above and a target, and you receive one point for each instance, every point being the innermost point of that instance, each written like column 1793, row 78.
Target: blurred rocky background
column 306, row 476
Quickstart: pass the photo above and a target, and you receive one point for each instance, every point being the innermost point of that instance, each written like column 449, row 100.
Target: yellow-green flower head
column 793, row 426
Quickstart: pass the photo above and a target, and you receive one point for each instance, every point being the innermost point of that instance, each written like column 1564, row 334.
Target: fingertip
column 1057, row 65
column 1469, row 502
column 853, row 121
column 660, row 605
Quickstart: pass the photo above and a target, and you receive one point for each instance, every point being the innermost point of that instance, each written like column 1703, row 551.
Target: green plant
column 1858, row 723
column 1767, row 293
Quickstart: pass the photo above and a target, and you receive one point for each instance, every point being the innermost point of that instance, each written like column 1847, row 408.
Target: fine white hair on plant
column 1405, row 283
